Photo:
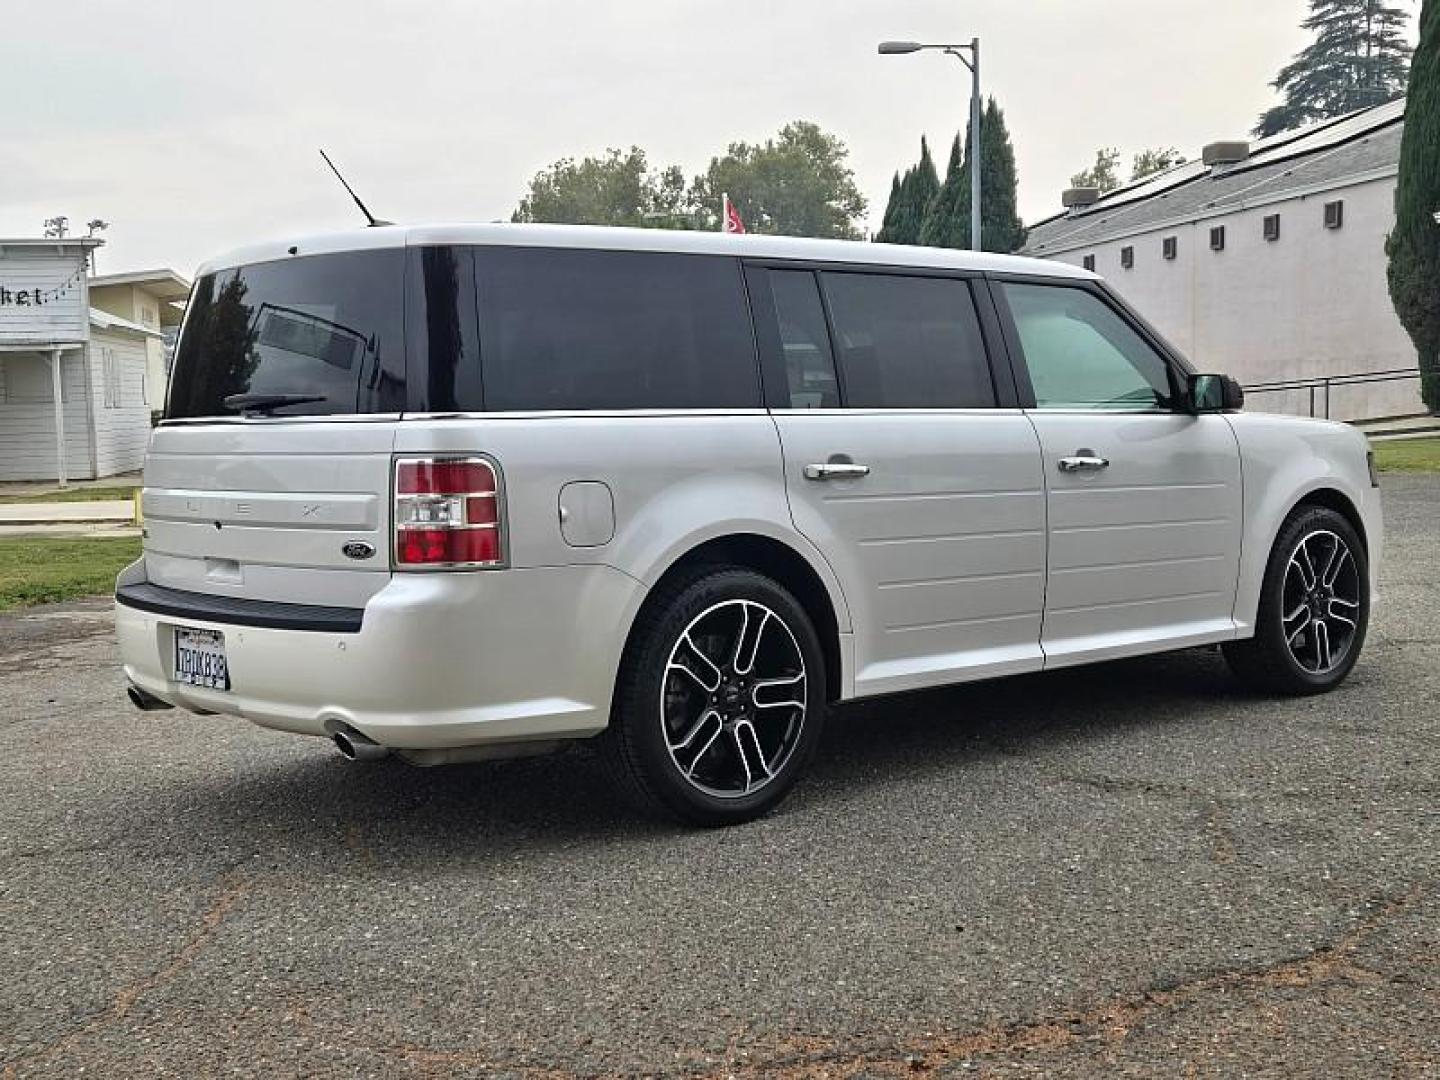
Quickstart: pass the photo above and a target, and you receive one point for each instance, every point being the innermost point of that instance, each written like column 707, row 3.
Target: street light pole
column 974, row 144
column 900, row 48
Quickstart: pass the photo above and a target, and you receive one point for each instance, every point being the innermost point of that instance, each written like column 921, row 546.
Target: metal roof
column 1324, row 155
column 103, row 320
column 594, row 237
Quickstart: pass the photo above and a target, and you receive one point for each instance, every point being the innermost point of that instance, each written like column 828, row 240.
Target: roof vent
column 1077, row 198
column 1225, row 153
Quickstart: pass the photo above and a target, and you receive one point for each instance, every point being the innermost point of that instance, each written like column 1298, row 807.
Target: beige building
column 153, row 299
column 1265, row 261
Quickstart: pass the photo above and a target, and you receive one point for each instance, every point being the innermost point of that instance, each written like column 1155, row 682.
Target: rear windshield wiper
column 263, row 404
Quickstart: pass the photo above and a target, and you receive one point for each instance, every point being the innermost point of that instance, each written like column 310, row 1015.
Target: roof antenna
column 370, row 218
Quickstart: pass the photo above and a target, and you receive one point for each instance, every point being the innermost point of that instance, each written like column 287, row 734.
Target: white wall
column 1313, row 303
column 27, row 417
column 60, row 277
column 122, row 411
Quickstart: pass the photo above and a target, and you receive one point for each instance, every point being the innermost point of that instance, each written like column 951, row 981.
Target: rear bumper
column 438, row 660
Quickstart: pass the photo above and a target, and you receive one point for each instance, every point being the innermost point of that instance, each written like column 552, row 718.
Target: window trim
column 1176, row 366
column 766, row 322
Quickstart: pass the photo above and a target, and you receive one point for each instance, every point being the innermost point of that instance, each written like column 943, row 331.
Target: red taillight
column 447, row 514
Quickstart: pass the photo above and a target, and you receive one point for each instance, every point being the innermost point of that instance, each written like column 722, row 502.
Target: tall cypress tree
column 948, row 222
column 1359, row 58
column 1414, row 246
column 892, row 210
column 909, row 199
column 947, row 219
column 1001, row 229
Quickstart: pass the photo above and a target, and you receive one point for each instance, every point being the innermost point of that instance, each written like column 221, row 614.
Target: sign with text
column 43, row 296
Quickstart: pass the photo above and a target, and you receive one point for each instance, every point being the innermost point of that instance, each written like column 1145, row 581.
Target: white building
column 77, row 382
column 156, row 300
column 1264, row 261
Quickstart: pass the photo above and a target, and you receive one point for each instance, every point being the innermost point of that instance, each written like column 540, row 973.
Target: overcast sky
column 192, row 126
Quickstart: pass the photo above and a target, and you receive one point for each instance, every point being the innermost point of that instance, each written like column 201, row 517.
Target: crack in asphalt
column 127, row 996
column 1111, row 1021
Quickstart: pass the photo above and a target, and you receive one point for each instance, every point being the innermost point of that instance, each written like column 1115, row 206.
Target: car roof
column 604, row 238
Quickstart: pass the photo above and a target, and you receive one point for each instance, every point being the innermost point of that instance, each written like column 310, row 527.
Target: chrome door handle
column 836, row 470
column 1083, row 462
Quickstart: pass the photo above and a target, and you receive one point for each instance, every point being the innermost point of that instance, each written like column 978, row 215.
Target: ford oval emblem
column 358, row 549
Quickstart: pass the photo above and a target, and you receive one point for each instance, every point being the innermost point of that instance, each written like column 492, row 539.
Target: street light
column 904, row 48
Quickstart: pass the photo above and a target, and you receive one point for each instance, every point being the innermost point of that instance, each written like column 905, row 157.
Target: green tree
column 1102, row 174
column 910, row 199
column 798, row 183
column 617, row 189
column 947, row 220
column 947, row 223
column 893, row 206
column 1000, row 227
column 1359, row 58
column 1154, row 160
column 1414, row 246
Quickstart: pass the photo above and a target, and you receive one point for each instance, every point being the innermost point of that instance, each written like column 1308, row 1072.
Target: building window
column 110, row 369
column 1335, row 214
column 1089, row 262
column 1170, row 247
column 1127, row 258
column 1272, row 227
column 29, row 380
column 1217, row 238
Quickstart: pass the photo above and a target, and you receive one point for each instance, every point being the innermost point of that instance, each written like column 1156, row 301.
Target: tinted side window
column 908, row 342
column 327, row 325
column 565, row 329
column 805, row 340
column 442, row 330
column 1081, row 354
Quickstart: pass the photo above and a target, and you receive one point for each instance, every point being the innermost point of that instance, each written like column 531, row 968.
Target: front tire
column 720, row 698
column 1314, row 607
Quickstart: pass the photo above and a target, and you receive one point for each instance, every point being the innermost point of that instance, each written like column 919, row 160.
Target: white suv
column 457, row 492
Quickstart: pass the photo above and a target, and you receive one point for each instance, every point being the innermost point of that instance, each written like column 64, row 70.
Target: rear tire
column 720, row 698
column 1314, row 607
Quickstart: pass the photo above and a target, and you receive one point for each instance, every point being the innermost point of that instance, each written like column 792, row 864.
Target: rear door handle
column 1084, row 461
column 836, row 470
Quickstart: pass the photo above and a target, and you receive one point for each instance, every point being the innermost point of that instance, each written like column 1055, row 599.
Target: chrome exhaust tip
column 356, row 747
column 144, row 701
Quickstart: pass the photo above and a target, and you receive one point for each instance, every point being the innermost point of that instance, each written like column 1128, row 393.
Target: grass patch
column 1408, row 455
column 68, row 495
column 44, row 570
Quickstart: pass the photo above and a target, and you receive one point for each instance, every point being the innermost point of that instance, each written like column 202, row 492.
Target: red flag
column 732, row 222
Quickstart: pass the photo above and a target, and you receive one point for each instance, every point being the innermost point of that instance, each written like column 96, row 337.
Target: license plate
column 200, row 658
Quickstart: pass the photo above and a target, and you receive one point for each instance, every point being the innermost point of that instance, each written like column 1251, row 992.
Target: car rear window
column 327, row 326
column 597, row 330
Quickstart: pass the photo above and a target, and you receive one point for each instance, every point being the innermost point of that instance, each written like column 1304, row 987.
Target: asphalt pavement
column 1130, row 869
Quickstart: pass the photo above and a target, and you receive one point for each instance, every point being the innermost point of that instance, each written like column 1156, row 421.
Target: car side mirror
column 1215, row 393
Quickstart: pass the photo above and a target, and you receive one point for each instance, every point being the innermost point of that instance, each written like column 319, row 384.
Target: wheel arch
column 783, row 563
column 1331, row 498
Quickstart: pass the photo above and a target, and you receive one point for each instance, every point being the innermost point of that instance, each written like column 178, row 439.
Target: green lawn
column 91, row 494
column 50, row 568
column 1408, row 455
